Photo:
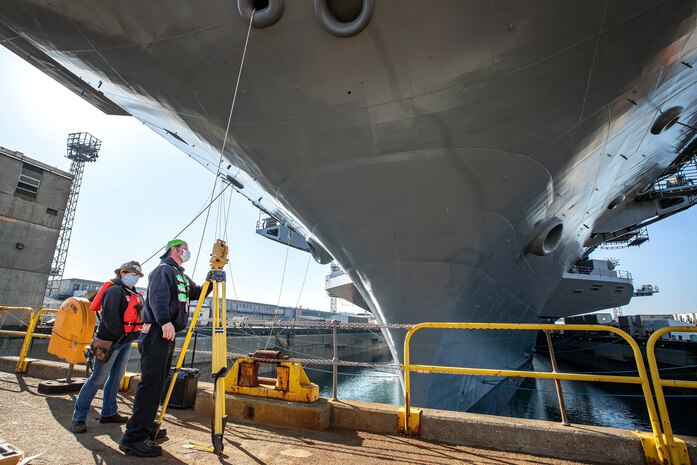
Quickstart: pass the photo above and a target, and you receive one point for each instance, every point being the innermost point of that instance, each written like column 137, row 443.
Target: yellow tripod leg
column 219, row 362
column 182, row 355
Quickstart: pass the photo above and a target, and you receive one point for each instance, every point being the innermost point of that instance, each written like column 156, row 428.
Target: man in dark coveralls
column 166, row 312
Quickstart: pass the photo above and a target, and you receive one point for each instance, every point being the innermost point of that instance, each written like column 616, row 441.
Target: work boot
column 78, row 427
column 161, row 433
column 115, row 418
column 141, row 449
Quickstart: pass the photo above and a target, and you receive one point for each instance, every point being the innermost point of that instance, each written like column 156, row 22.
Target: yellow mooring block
column 655, row 455
column 291, row 382
column 414, row 428
column 126, row 381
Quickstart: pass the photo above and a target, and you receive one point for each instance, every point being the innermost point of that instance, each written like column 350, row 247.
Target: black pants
column 155, row 361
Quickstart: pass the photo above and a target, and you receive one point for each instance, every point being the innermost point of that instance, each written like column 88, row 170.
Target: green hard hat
column 170, row 244
column 174, row 243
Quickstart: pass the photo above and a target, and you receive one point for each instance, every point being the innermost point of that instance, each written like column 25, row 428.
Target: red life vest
column 131, row 317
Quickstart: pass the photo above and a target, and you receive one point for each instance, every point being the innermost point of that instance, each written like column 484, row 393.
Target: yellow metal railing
column 677, row 449
column 29, row 334
column 4, row 308
column 409, row 422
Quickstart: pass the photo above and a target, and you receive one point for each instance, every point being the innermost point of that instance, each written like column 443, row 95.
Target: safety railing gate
column 29, row 334
column 677, row 449
column 660, row 447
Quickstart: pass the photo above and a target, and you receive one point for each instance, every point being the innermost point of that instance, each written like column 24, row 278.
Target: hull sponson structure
column 427, row 150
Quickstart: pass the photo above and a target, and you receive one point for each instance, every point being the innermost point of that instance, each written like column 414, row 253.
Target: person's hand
column 168, row 331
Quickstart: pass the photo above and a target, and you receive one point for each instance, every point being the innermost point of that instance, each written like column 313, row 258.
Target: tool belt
column 101, row 349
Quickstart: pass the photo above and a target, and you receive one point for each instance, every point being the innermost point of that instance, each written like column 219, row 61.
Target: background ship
column 457, row 158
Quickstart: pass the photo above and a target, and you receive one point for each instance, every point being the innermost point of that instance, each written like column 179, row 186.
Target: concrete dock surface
column 38, row 424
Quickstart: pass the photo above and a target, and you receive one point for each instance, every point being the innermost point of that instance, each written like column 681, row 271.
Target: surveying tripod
column 215, row 278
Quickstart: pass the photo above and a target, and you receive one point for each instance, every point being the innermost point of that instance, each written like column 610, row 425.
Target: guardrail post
column 21, row 363
column 410, row 423
column 335, row 374
column 407, row 387
column 557, row 382
column 677, row 449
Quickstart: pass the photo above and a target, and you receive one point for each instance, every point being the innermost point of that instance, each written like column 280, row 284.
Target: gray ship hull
column 428, row 152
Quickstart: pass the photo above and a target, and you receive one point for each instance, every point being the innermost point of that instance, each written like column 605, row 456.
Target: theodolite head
column 219, row 255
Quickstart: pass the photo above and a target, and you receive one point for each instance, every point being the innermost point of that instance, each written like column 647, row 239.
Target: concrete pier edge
column 536, row 437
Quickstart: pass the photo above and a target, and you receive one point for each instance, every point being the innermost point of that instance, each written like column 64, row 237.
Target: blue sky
column 142, row 190
column 667, row 260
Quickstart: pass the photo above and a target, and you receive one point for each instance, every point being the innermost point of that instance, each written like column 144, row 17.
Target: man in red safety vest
column 121, row 306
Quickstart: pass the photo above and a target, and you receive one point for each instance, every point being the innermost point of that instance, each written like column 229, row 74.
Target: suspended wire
column 227, row 130
column 386, row 376
column 302, row 286
column 586, row 394
column 283, row 276
column 220, row 217
column 203, row 234
column 280, row 292
column 682, row 367
column 686, row 125
column 189, row 224
column 227, row 215
column 589, row 348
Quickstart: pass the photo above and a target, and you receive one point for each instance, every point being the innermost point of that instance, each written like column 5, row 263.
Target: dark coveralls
column 167, row 301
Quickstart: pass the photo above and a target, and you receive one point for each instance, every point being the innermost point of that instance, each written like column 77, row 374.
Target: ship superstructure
column 468, row 153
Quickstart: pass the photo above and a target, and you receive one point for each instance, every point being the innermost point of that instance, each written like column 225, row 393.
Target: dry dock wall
column 351, row 346
column 576, row 442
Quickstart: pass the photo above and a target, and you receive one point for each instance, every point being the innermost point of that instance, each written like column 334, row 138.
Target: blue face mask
column 130, row 280
column 186, row 255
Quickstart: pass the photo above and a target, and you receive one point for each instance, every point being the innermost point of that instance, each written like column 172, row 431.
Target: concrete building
column 76, row 287
column 33, row 198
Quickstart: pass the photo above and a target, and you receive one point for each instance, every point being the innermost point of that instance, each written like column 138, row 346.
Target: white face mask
column 186, row 255
column 130, row 280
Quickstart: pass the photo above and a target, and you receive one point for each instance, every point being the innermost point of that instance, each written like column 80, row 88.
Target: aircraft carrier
column 456, row 158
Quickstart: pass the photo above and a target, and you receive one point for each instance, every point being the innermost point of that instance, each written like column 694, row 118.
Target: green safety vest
column 183, row 286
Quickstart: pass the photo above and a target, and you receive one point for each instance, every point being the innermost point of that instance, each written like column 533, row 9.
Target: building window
column 29, row 181
column 76, row 287
column 85, row 287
